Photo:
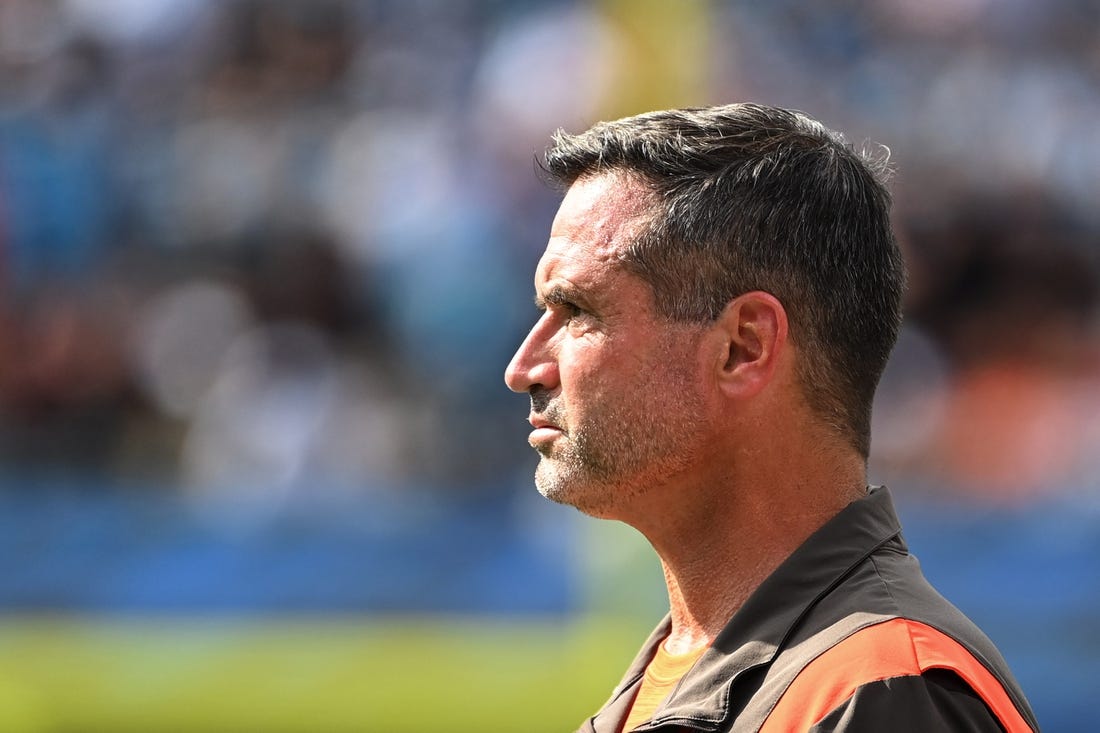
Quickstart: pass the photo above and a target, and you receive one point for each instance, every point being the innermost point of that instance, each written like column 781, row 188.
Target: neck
column 717, row 551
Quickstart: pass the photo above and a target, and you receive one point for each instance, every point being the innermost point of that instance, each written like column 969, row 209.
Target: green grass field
column 122, row 675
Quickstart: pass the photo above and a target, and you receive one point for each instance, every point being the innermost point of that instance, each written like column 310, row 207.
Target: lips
column 544, row 432
column 541, row 422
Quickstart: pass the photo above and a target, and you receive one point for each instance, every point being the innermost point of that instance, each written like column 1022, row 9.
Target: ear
column 753, row 328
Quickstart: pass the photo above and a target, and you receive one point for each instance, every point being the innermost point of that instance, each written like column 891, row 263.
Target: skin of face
column 616, row 388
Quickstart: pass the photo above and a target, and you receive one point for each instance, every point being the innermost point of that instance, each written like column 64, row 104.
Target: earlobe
column 754, row 328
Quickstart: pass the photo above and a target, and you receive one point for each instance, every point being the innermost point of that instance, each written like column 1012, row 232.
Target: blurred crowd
column 265, row 247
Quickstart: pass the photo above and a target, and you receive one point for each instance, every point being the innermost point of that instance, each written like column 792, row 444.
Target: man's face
column 615, row 387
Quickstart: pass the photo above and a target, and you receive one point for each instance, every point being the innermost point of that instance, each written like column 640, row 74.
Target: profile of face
column 616, row 401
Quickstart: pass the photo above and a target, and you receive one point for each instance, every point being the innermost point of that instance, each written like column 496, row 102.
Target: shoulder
column 934, row 700
column 884, row 639
column 906, row 670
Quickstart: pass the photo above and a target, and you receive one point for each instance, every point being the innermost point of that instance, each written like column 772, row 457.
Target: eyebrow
column 557, row 295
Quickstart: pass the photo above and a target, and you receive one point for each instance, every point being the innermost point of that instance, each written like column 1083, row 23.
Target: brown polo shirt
column 846, row 635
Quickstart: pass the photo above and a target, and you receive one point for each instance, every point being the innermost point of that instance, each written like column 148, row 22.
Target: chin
column 590, row 497
column 551, row 485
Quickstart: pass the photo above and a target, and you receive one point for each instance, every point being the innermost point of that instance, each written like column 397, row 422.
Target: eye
column 571, row 310
column 562, row 306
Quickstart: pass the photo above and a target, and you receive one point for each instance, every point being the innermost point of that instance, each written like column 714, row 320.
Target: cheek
column 590, row 375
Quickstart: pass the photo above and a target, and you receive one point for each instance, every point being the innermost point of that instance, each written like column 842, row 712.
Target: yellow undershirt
column 662, row 674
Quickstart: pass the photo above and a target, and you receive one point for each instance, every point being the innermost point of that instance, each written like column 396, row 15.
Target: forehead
column 599, row 216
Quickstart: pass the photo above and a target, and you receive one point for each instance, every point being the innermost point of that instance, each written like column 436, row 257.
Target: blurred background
column 263, row 264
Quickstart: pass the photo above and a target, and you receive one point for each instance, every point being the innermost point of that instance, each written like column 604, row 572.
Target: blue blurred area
column 1026, row 576
column 1029, row 578
column 154, row 553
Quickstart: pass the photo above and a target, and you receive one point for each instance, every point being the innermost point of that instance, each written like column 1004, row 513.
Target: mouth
column 544, row 431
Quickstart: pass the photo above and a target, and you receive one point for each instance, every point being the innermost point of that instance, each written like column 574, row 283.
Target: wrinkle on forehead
column 600, row 215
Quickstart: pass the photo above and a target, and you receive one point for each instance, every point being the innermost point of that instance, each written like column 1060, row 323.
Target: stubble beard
column 600, row 467
column 583, row 472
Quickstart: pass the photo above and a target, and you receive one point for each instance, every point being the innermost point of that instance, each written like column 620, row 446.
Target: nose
column 534, row 364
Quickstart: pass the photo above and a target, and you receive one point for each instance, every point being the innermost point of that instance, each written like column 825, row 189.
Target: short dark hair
column 751, row 197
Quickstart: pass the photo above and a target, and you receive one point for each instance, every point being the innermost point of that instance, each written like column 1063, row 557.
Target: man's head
column 682, row 213
column 748, row 197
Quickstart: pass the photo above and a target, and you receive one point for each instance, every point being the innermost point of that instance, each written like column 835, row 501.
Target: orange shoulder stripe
column 894, row 648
